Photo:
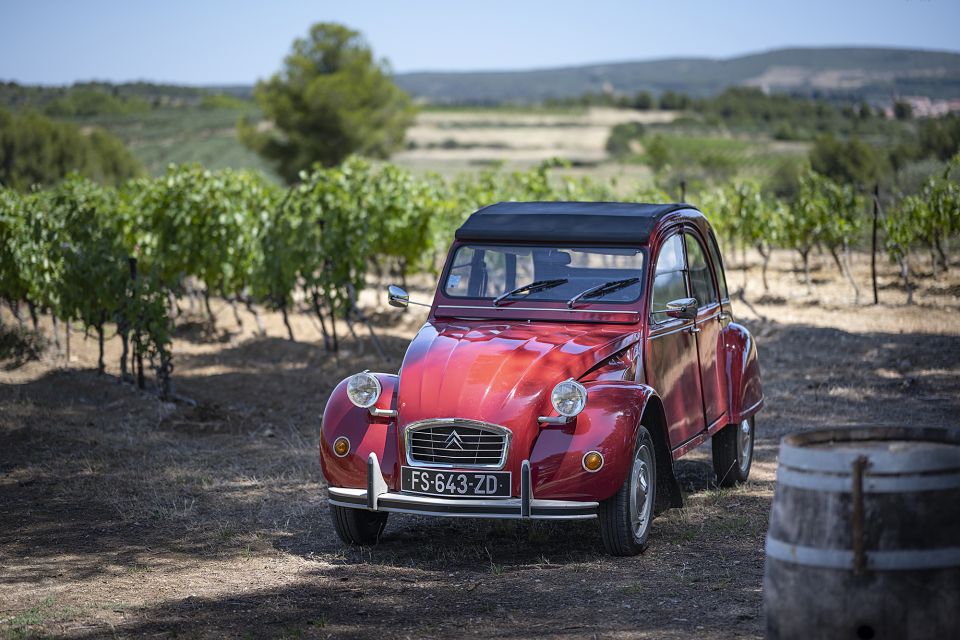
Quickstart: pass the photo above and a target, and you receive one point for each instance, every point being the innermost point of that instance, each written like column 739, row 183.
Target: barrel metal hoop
column 832, row 461
column 840, row 483
column 796, row 450
column 900, row 560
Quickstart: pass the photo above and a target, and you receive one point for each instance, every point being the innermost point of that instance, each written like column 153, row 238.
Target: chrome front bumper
column 376, row 497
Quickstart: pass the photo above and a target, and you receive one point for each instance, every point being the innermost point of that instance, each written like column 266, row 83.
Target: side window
column 701, row 282
column 669, row 282
column 718, row 265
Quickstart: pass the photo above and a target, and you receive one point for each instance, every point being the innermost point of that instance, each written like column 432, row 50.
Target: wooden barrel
column 864, row 537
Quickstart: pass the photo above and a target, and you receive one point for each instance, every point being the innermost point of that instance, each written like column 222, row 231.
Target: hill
column 868, row 73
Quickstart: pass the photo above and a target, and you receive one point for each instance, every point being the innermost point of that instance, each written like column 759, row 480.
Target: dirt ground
column 452, row 142
column 124, row 516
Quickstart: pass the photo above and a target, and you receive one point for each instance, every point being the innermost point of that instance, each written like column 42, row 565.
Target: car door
column 673, row 367
column 707, row 329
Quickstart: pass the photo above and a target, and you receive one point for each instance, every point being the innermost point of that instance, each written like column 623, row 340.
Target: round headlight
column 569, row 398
column 363, row 390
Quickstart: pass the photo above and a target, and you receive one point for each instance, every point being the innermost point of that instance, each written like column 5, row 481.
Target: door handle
column 694, row 328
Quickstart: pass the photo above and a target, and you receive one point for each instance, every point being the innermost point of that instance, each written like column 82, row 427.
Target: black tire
column 358, row 526
column 621, row 536
column 733, row 454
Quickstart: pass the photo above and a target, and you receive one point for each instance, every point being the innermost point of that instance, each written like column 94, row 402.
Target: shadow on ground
column 97, row 480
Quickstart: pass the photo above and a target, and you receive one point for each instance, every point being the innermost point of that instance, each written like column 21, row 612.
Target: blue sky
column 238, row 41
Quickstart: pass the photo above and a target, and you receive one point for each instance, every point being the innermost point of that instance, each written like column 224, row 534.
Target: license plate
column 474, row 484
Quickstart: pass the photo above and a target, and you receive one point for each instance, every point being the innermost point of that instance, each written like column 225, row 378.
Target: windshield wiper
column 533, row 287
column 602, row 289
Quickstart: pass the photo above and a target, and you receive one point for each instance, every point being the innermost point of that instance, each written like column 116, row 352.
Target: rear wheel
column 626, row 516
column 358, row 526
column 733, row 453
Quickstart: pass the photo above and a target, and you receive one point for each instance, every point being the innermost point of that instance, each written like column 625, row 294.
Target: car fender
column 743, row 372
column 609, row 424
column 367, row 434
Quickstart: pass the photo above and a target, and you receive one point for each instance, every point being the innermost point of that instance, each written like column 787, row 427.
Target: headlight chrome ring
column 364, row 389
column 569, row 398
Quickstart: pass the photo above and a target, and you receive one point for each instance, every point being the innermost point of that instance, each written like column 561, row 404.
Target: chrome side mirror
column 397, row 297
column 682, row 308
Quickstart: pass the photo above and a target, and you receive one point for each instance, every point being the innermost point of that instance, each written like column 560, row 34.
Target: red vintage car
column 572, row 352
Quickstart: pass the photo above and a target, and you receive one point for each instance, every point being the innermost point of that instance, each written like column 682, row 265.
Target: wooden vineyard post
column 137, row 348
column 873, row 246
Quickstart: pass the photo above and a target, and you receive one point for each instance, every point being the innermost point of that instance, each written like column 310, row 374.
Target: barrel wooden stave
column 823, row 603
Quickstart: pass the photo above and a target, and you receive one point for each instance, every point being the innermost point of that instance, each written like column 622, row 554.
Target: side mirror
column 682, row 308
column 397, row 297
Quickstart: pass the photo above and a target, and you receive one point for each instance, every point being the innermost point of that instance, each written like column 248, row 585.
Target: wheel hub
column 744, row 444
column 641, row 505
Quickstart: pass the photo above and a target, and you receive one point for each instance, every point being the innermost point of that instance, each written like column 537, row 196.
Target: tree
column 35, row 150
column 658, row 153
column 673, row 101
column 902, row 110
column 801, row 226
column 643, row 101
column 902, row 232
column 622, row 137
column 939, row 137
column 848, row 162
column 331, row 99
column 15, row 250
column 91, row 259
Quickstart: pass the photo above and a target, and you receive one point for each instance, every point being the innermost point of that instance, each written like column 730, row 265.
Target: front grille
column 457, row 443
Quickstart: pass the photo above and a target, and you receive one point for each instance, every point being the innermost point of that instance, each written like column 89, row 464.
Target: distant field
column 183, row 134
column 450, row 140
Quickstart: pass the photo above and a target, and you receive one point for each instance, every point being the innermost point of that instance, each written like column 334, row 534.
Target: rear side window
column 718, row 265
column 701, row 282
column 669, row 281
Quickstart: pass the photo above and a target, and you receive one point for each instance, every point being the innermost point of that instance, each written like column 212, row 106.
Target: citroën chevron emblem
column 453, row 440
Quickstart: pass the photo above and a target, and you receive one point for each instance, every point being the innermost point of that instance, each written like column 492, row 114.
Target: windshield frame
column 517, row 302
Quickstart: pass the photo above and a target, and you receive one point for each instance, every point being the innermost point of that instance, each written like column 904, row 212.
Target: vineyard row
column 98, row 256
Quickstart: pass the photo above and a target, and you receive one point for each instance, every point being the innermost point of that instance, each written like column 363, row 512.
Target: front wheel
column 358, row 526
column 733, row 453
column 626, row 516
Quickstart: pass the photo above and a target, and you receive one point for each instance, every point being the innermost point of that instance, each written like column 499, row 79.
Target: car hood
column 498, row 372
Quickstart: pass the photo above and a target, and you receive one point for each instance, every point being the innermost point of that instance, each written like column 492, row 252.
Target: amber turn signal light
column 341, row 446
column 592, row 461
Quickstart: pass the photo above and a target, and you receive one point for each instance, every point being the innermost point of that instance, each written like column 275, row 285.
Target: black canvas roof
column 604, row 222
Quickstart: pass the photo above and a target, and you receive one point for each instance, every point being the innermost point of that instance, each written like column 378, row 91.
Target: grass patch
column 19, row 626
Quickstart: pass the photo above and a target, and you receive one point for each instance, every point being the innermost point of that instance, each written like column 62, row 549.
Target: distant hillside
column 872, row 74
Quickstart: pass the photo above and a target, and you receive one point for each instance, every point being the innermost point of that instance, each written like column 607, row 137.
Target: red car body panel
column 367, row 434
column 608, row 425
column 743, row 372
column 498, row 364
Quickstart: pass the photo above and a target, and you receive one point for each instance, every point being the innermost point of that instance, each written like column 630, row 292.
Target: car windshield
column 558, row 273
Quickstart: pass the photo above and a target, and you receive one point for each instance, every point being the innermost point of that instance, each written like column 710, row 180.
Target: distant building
column 924, row 107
